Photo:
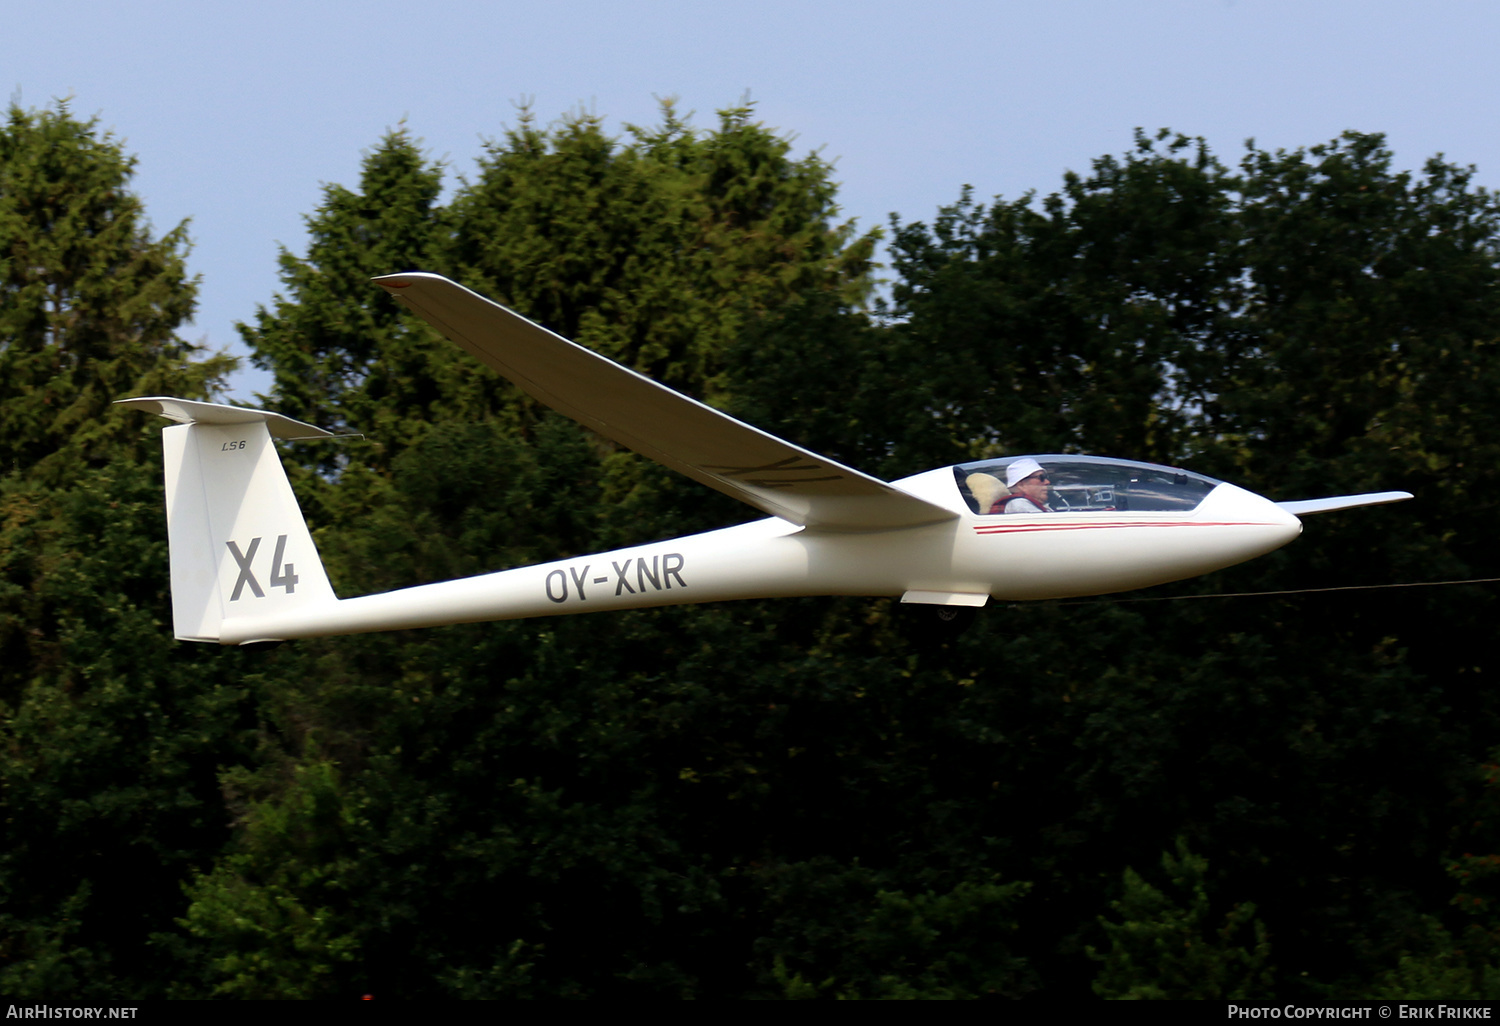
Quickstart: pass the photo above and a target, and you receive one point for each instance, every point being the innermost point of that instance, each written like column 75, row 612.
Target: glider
column 244, row 569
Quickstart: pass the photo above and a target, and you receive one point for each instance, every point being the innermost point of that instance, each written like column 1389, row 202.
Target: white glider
column 244, row 568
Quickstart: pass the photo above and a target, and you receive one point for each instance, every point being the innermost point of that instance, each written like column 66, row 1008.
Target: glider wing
column 1303, row 507
column 708, row 446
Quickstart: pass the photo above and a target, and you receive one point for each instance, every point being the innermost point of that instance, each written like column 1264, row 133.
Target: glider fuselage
column 962, row 561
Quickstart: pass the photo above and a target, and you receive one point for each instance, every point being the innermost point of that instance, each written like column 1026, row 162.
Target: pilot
column 1029, row 487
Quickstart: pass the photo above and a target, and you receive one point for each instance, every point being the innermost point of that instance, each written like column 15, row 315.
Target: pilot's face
column 1036, row 487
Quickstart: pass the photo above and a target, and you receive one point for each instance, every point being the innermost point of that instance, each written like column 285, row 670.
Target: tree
column 109, row 733
column 89, row 301
column 341, row 356
column 1291, row 323
column 1166, row 948
column 889, row 944
column 1095, row 320
column 657, row 252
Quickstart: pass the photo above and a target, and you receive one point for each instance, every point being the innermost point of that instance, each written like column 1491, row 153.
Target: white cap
column 1020, row 469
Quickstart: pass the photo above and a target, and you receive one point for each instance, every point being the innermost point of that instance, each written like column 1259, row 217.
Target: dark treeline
column 1290, row 796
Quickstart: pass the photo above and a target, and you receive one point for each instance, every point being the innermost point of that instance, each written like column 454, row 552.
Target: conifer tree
column 659, row 250
column 341, row 354
column 109, row 732
column 90, row 301
column 1168, row 946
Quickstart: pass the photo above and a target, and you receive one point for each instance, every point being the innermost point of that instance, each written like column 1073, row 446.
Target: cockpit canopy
column 1089, row 484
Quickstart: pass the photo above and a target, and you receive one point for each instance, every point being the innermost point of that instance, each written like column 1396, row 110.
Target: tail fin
column 239, row 545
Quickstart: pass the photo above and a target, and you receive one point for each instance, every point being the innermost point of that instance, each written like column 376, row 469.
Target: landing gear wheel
column 936, row 625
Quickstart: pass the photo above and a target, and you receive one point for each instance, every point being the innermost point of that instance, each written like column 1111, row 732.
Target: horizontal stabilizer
column 1304, row 507
column 189, row 411
column 708, row 446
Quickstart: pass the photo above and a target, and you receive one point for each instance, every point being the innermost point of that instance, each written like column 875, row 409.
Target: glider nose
column 1273, row 515
column 1256, row 523
column 1279, row 519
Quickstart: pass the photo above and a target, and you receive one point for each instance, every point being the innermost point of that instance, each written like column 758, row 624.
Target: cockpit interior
column 1088, row 484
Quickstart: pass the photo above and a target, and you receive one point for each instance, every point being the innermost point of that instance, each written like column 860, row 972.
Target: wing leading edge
column 708, row 446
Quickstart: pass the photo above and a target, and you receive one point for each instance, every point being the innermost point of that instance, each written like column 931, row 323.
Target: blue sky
column 240, row 112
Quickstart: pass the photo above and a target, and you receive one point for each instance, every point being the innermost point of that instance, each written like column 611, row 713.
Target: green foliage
column 1099, row 319
column 893, row 945
column 109, row 743
column 1146, row 311
column 1167, row 947
column 261, row 911
column 110, row 734
column 1463, row 963
column 1440, row 968
column 787, row 365
column 340, row 356
column 89, row 301
column 657, row 252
